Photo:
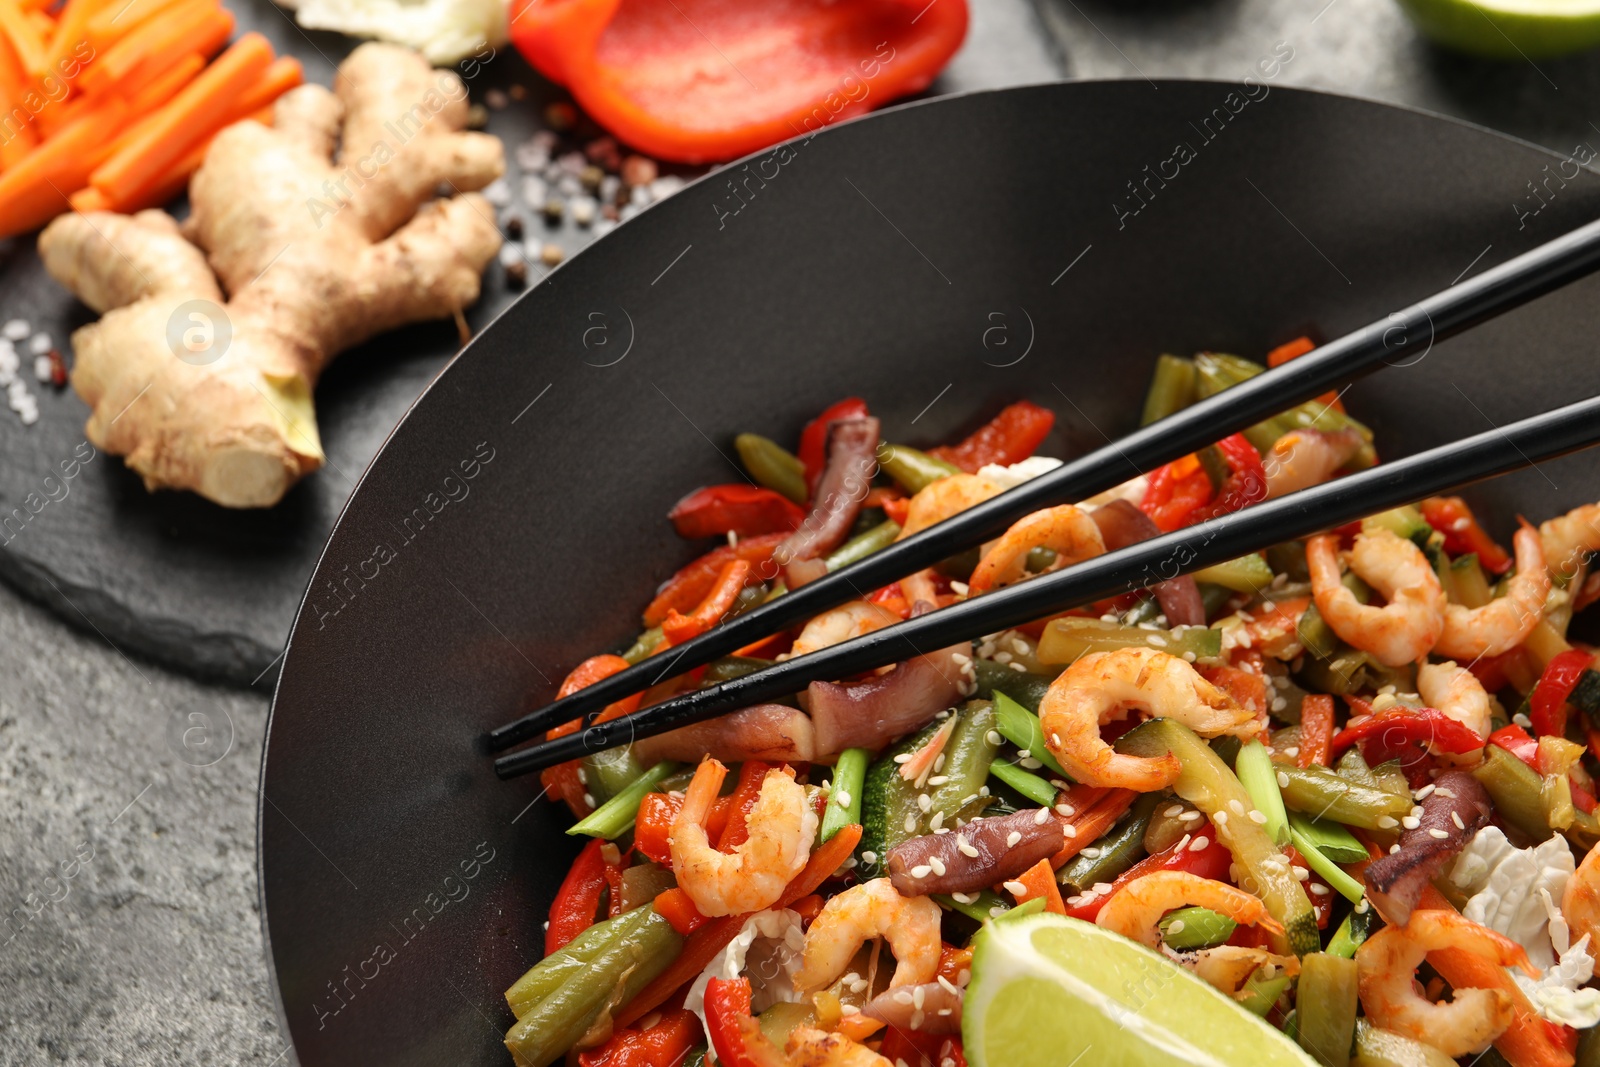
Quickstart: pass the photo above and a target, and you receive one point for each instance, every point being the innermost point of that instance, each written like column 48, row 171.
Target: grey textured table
column 127, row 794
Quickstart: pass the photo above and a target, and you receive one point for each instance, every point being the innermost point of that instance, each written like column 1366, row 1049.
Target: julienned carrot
column 36, row 188
column 199, row 109
column 1094, row 810
column 1039, row 881
column 17, row 136
column 115, row 19
column 165, row 86
column 166, row 188
column 157, row 41
column 706, row 943
column 71, row 31
column 24, row 37
column 89, row 199
column 284, row 74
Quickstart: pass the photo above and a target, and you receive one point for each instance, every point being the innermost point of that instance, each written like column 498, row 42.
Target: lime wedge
column 1508, row 29
column 1048, row 991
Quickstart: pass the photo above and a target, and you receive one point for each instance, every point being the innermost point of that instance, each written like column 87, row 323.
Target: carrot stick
column 199, row 109
column 1039, row 881
column 89, row 199
column 24, row 37
column 142, row 100
column 158, row 40
column 36, row 189
column 168, row 186
column 284, row 74
column 17, row 133
column 702, row 946
column 71, row 32
column 1094, row 810
column 183, row 35
column 114, row 20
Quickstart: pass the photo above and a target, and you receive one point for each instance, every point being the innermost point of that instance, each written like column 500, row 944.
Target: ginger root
column 315, row 257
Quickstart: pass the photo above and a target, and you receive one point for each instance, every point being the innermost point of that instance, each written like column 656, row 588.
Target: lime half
column 1509, row 29
column 1048, row 991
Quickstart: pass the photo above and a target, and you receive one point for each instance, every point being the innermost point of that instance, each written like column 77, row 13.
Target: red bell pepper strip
column 561, row 782
column 653, row 828
column 1010, row 437
column 1175, row 492
column 727, row 1002
column 1211, row 861
column 1245, row 680
column 751, row 774
column 1399, row 726
column 1547, row 704
column 573, row 910
column 704, row 945
column 657, row 73
column 666, row 1044
column 1246, row 483
column 678, row 628
column 1316, row 730
column 1517, row 741
column 813, row 452
column 675, row 906
column 690, row 585
column 1293, row 350
column 745, row 510
column 1491, row 671
column 1462, row 534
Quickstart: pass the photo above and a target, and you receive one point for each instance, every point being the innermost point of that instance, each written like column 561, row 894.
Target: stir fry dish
column 1331, row 803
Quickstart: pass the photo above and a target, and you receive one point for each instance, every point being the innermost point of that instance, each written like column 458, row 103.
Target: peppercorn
column 514, row 227
column 553, row 210
column 591, row 178
column 560, row 116
column 516, row 274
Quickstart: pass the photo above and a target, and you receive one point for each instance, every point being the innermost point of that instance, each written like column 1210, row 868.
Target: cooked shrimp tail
column 861, row 913
column 1405, row 628
column 782, row 826
column 1504, row 622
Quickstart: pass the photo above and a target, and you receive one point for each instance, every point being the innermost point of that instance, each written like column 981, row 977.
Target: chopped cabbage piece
column 445, row 31
column 767, row 951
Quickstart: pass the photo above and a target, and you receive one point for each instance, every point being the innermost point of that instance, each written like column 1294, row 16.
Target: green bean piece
column 1315, row 634
column 1331, row 839
column 989, row 905
column 1391, row 779
column 1327, row 1005
column 772, row 465
column 889, row 811
column 1206, row 782
column 1376, row 1047
column 644, row 644
column 1260, row 994
column 844, row 791
column 1353, row 765
column 1172, row 388
column 1118, row 849
column 1322, row 794
column 1515, row 789
column 1260, row 779
column 1022, row 728
column 1191, row 928
column 1067, row 639
column 1227, row 748
column 863, row 545
column 913, row 470
column 609, row 772
column 1216, row 371
column 550, row 973
column 613, row 977
column 1025, row 688
column 1247, row 574
column 728, row 668
column 968, row 756
column 1145, row 610
column 615, row 817
column 1331, row 872
column 1027, row 783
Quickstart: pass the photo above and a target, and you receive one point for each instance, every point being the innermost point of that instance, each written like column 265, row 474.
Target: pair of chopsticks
column 1397, row 339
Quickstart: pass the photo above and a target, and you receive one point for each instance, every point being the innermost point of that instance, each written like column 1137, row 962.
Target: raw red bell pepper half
column 700, row 81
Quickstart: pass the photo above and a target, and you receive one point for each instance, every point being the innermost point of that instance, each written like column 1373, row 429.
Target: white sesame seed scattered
column 902, row 996
column 1300, row 874
column 1020, row 668
column 1064, row 810
column 938, row 779
column 1040, row 816
column 1183, row 843
column 911, row 824
column 941, row 830
column 983, row 790
column 1438, row 834
column 1069, row 830
column 1092, row 852
column 1422, row 794
column 1387, row 822
column 937, row 864
column 1016, row 889
column 1442, row 791
column 1189, row 656
column 1175, row 927
column 949, row 986
column 1236, row 807
column 1455, row 817
column 964, row 848
column 964, row 898
column 850, row 1009
column 938, row 763
column 1173, row 812
column 842, row 798
column 1101, row 888
column 993, row 737
column 1220, row 818
column 1055, row 739
column 903, row 757
column 1283, row 780
column 1259, row 818
column 1200, row 844
column 924, row 801
column 1318, row 889
column 921, row 870
column 1190, row 816
column 1012, row 838
column 1029, row 763
column 937, row 822
column 960, row 658
column 994, row 913
column 1410, row 822
column 959, row 588
column 588, row 798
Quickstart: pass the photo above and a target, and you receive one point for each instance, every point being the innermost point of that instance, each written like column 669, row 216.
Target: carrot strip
column 1094, row 812
column 114, row 20
column 18, row 136
column 155, row 45
column 24, row 37
column 679, row 628
column 71, row 33
column 701, row 947
column 36, row 189
column 1316, row 730
column 284, row 74
column 1040, row 881
column 198, row 110
column 146, row 98
column 89, row 199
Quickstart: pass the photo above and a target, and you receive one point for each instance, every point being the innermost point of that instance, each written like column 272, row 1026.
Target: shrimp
column 1102, row 686
column 1405, row 628
column 1505, row 622
column 1568, row 538
column 860, row 913
column 1303, row 458
column 1066, row 530
column 809, row 1047
column 1580, row 903
column 1229, row 967
column 753, row 876
column 1135, row 910
column 946, row 497
column 841, row 624
column 1457, row 692
column 1386, row 965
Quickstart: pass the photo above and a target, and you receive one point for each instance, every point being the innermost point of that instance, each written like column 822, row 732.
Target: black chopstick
column 1301, row 514
column 1397, row 338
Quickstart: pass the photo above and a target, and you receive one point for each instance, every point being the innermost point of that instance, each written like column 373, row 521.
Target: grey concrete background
column 131, row 935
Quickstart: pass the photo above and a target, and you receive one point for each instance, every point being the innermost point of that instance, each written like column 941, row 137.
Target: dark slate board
column 210, row 591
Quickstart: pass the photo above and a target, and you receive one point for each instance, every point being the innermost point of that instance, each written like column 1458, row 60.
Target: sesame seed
column 1182, row 844
column 1055, row 739
column 1016, row 889
column 588, row 798
column 1069, row 830
column 964, row 848
column 842, row 798
column 937, row 864
column 1174, row 811
column 1236, row 807
column 938, row 764
column 924, row 801
column 1387, row 822
column 849, row 1009
column 1024, row 753
column 983, row 790
column 948, row 985
column 918, row 996
column 1175, row 927
column 1066, row 811
column 1394, row 848
column 937, row 822
column 1283, row 780
column 1410, row 822
column 1220, row 818
column 1422, row 794
column 902, row 996
column 962, row 659
column 1012, row 838
column 870, row 856
column 1189, row 657
column 1191, row 816
column 1040, row 816
column 911, row 824
column 993, row 737
column 938, row 779
column 1101, row 888
column 903, row 757
column 1092, row 852
column 1300, row 874
column 917, row 1018
column 1029, row 763
column 1438, row 834
column 1020, row 668
column 922, row 870
column 1318, row 889
column 941, row 830
column 1199, row 844
column 964, row 898
column 1258, row 818
column 1442, row 791
column 1455, row 817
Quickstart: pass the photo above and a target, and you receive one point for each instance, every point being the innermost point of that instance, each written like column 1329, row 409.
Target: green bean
column 844, row 791
column 1260, row 779
column 1331, row 872
column 728, row 668
column 1353, row 765
column 1206, row 782
column 1172, row 388
column 610, row 771
column 913, row 470
column 1327, row 1004
column 1515, row 789
column 1145, row 610
column 772, row 465
column 1024, row 687
column 1216, row 371
column 1022, row 728
column 1331, row 839
column 1470, row 585
column 1118, row 849
column 1247, row 574
column 550, row 973
column 968, row 756
column 1260, row 994
column 1194, row 927
column 615, row 817
column 865, row 544
column 1067, row 639
column 1289, row 558
column 1214, row 597
column 1027, row 783
column 1323, row 794
column 1315, row 634
column 613, row 977
column 644, row 644
column 989, row 905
